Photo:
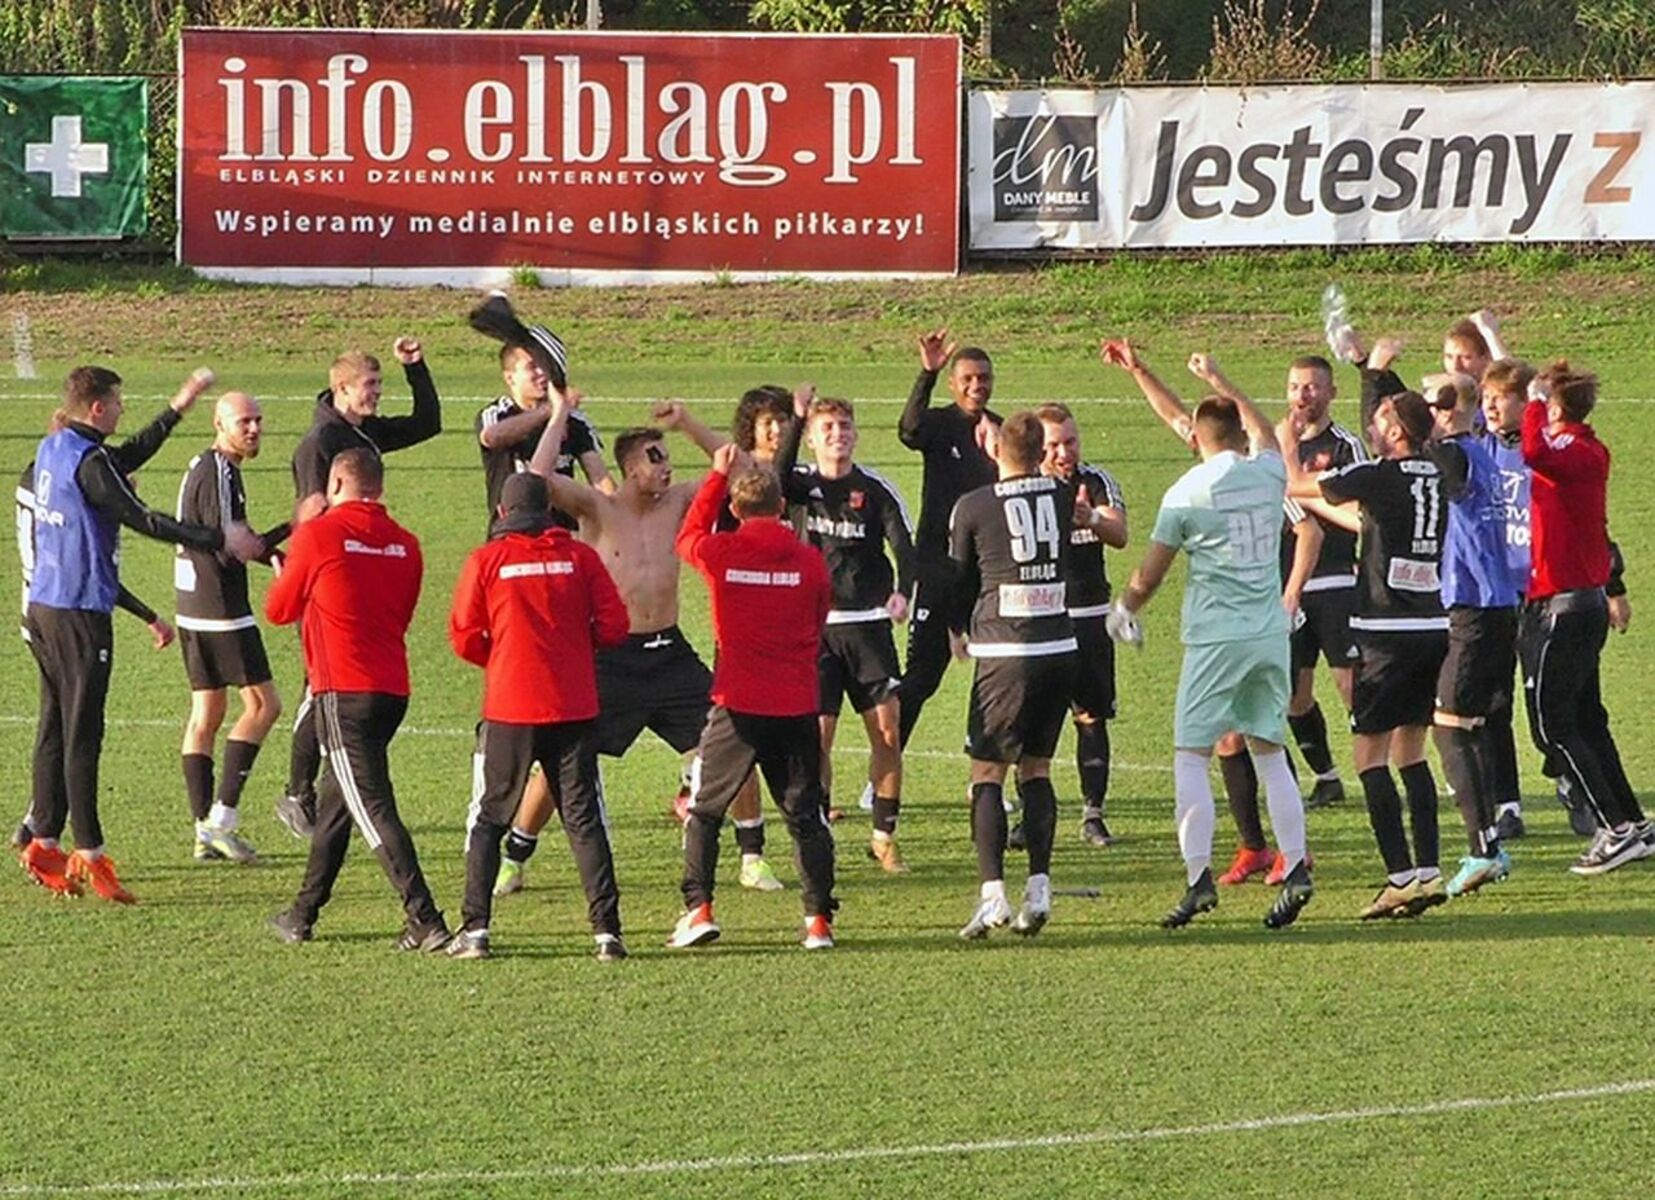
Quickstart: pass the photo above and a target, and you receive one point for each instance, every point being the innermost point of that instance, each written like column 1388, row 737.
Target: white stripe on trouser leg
column 474, row 811
column 1546, row 737
column 305, row 703
column 603, row 809
column 340, row 761
column 695, row 780
column 1193, row 793
column 1281, row 794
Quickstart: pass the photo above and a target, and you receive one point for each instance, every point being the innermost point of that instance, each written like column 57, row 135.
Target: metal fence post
column 1376, row 40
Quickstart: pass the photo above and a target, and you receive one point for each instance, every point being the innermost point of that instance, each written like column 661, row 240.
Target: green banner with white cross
column 73, row 162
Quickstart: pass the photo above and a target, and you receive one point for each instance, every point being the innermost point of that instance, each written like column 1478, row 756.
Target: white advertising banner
column 1333, row 164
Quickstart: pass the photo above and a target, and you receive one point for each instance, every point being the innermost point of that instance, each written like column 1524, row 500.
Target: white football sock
column 1281, row 794
column 1193, row 808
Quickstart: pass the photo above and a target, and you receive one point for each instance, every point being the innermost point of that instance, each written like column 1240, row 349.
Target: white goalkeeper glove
column 1123, row 626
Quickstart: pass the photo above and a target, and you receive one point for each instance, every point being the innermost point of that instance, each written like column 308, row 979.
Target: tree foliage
column 1081, row 40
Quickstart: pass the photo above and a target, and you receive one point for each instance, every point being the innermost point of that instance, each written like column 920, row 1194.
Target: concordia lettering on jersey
column 1008, row 539
column 1403, row 511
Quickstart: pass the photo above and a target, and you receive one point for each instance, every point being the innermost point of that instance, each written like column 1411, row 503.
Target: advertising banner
column 73, row 162
column 439, row 156
column 1337, row 164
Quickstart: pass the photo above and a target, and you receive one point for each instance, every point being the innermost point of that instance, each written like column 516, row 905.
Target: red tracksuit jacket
column 353, row 577
column 1568, row 495
column 530, row 609
column 770, row 598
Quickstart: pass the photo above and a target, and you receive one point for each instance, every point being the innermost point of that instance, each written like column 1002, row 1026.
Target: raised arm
column 1489, row 326
column 1119, row 352
column 787, row 454
column 1378, row 380
column 398, row 433
column 934, row 352
column 675, row 414
column 1556, row 458
column 698, row 523
column 577, row 499
column 138, row 449
column 1261, row 437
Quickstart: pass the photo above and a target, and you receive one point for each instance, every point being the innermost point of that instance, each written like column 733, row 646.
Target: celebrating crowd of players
column 1464, row 531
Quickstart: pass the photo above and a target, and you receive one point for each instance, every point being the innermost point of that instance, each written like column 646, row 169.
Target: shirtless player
column 655, row 680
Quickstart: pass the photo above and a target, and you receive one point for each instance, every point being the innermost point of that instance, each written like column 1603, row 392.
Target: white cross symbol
column 66, row 158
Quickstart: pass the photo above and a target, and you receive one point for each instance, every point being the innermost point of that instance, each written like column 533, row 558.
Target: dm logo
column 1046, row 168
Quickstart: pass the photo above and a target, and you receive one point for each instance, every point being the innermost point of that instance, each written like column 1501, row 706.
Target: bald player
column 221, row 642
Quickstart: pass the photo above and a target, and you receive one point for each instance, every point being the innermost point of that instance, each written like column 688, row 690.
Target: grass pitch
column 1499, row 1045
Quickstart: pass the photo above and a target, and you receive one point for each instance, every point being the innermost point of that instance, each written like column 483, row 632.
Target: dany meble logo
column 1045, row 168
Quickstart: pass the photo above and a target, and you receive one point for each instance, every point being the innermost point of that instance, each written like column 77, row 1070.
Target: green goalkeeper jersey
column 1226, row 514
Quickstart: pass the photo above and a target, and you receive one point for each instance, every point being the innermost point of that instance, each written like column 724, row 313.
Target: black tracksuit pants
column 567, row 751
column 74, row 650
column 304, row 760
column 355, row 730
column 928, row 649
column 1561, row 641
column 788, row 753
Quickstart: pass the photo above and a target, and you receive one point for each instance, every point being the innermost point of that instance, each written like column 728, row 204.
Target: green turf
column 178, row 1042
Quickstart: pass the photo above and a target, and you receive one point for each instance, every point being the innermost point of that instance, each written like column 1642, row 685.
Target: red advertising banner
column 350, row 155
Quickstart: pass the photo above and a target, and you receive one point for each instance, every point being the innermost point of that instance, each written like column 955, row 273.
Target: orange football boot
column 49, row 867
column 1247, row 864
column 99, row 874
column 1277, row 875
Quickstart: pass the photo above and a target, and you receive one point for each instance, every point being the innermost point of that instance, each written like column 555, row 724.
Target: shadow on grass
column 1337, row 929
column 645, row 945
